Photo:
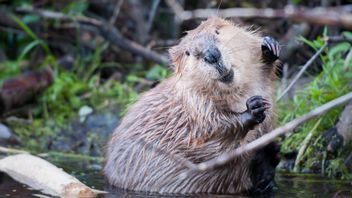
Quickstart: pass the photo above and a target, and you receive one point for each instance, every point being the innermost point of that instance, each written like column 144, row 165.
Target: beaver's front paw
column 256, row 106
column 255, row 113
column 270, row 50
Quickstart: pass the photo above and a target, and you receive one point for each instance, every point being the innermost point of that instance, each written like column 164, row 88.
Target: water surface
column 89, row 172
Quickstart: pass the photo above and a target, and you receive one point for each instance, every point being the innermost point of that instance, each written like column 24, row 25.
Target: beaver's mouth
column 227, row 78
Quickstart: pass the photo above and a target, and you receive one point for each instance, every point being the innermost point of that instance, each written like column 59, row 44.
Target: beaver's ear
column 177, row 59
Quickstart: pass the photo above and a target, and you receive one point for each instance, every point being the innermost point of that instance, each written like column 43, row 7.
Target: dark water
column 290, row 185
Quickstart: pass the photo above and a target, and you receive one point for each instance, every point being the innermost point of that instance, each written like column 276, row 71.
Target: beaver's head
column 217, row 53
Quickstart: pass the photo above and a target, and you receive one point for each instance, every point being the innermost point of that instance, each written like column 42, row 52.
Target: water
column 89, row 172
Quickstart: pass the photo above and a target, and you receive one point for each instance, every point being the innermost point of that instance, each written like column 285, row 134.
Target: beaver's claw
column 270, row 50
column 255, row 113
column 256, row 106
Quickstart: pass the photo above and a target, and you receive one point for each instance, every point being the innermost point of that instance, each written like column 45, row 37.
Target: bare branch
column 337, row 16
column 108, row 31
column 328, row 40
column 116, row 12
column 152, row 14
column 269, row 137
column 300, row 73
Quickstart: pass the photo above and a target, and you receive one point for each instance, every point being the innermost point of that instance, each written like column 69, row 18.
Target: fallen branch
column 336, row 16
column 300, row 73
column 269, row 137
column 116, row 12
column 44, row 176
column 105, row 29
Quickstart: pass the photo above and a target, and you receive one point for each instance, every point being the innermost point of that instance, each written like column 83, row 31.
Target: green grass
column 72, row 89
column 332, row 82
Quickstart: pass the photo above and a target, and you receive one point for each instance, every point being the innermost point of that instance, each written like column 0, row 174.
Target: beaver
column 220, row 96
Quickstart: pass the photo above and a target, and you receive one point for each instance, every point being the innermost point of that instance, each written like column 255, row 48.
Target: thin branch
column 116, row 12
column 337, row 39
column 269, row 137
column 338, row 16
column 152, row 15
column 328, row 40
column 106, row 30
column 300, row 73
column 347, row 60
column 114, row 36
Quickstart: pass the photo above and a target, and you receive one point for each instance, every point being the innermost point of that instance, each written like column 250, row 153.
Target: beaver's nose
column 212, row 55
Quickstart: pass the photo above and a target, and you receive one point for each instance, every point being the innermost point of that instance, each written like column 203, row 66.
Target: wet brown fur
column 192, row 115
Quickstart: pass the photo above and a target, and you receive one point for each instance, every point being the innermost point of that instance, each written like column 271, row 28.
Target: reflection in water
column 290, row 185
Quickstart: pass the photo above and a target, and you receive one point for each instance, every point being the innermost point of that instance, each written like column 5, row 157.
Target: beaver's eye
column 217, row 32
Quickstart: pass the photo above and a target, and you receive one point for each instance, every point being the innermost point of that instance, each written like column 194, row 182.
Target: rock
column 84, row 112
column 88, row 137
column 287, row 162
column 341, row 134
column 333, row 140
column 5, row 132
column 348, row 163
column 7, row 136
column 344, row 126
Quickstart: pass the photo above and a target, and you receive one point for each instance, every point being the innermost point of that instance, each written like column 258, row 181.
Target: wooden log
column 41, row 175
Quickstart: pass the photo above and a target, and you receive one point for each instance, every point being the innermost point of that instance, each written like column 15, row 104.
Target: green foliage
column 157, row 72
column 332, row 82
column 8, row 69
column 31, row 34
column 73, row 89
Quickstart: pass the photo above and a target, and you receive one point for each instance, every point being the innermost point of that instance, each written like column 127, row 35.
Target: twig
column 106, row 30
column 300, row 73
column 338, row 16
column 116, row 12
column 152, row 14
column 269, row 137
column 113, row 35
column 337, row 39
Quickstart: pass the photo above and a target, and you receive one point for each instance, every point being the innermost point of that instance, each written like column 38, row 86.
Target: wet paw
column 270, row 50
column 256, row 106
